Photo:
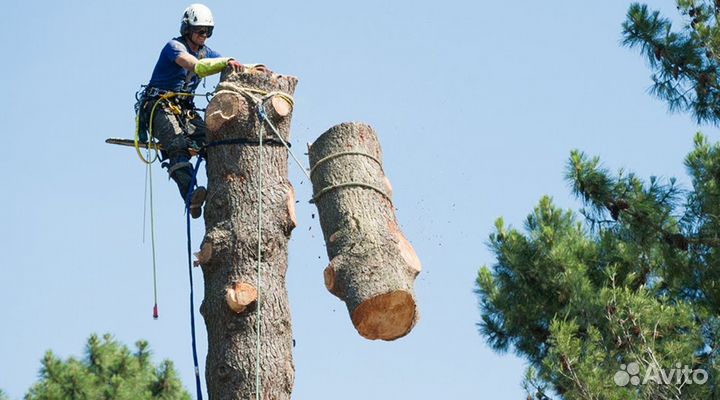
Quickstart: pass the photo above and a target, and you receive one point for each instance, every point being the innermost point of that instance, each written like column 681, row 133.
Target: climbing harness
column 158, row 96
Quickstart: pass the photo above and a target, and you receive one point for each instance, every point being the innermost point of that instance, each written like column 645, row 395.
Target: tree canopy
column 684, row 61
column 109, row 370
column 621, row 299
column 632, row 278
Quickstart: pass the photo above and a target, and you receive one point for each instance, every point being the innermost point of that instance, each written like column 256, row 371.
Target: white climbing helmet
column 196, row 15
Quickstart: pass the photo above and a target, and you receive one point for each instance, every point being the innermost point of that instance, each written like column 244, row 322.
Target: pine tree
column 3, row 396
column 627, row 286
column 108, row 371
column 685, row 62
column 632, row 278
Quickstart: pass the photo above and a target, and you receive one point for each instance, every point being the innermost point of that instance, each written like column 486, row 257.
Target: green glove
column 209, row 66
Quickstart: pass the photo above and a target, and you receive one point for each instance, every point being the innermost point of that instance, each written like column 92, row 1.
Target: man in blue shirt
column 183, row 62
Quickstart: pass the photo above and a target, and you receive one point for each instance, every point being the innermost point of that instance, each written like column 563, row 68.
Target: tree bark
column 372, row 266
column 233, row 300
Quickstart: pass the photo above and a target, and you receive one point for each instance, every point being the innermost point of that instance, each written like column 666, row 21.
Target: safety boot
column 196, row 202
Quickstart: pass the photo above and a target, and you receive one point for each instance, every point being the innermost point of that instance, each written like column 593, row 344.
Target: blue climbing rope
column 192, row 295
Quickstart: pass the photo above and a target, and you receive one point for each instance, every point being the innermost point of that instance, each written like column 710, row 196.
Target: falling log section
column 372, row 266
column 234, row 302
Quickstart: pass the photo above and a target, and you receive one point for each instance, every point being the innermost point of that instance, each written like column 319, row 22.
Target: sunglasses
column 204, row 31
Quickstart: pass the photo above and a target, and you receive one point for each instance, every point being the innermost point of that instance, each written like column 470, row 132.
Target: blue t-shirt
column 168, row 75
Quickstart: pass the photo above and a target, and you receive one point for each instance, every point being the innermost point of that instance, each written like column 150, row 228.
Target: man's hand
column 236, row 66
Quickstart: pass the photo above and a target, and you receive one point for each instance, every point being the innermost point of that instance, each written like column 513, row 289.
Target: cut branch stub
column 372, row 266
column 280, row 106
column 240, row 296
column 224, row 107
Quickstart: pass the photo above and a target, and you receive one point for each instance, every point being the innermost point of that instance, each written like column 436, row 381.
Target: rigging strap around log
column 330, row 188
column 349, row 184
column 345, row 153
column 250, row 93
column 250, row 142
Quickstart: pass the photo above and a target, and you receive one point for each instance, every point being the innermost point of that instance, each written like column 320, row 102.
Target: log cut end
column 388, row 316
column 240, row 296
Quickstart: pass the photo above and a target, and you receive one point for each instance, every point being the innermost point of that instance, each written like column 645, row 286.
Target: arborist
column 183, row 62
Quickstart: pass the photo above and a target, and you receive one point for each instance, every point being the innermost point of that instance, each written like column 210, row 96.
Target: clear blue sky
column 477, row 106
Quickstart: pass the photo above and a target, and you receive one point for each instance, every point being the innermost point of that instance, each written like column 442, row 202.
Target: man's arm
column 206, row 66
column 187, row 61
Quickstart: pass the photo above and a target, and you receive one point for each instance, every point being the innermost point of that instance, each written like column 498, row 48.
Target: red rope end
column 155, row 312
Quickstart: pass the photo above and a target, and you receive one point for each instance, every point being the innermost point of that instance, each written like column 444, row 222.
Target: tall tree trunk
column 372, row 266
column 233, row 300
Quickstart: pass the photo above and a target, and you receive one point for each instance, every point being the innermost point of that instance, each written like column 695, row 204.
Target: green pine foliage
column 3, row 396
column 634, row 277
column 684, row 61
column 109, row 370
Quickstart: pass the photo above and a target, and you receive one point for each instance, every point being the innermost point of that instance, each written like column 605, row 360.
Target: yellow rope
column 251, row 92
column 345, row 153
column 152, row 146
column 349, row 184
column 325, row 190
